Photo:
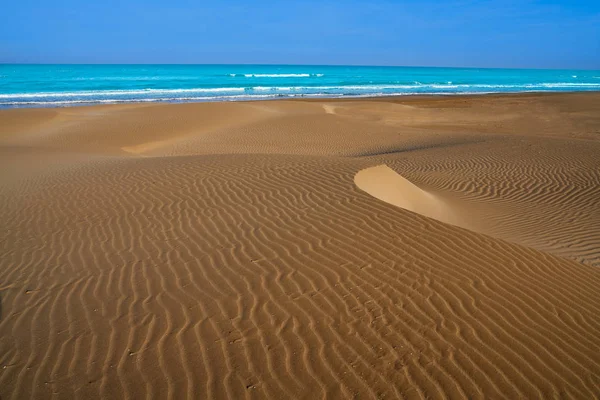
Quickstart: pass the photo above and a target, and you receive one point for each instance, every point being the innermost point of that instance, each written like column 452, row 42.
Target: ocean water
column 65, row 85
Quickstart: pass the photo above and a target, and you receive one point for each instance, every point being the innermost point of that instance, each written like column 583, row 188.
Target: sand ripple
column 174, row 273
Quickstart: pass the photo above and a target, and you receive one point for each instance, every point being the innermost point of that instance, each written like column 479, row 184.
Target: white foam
column 277, row 75
column 242, row 97
column 93, row 93
column 224, row 90
column 565, row 85
column 144, row 100
column 264, row 92
column 278, row 88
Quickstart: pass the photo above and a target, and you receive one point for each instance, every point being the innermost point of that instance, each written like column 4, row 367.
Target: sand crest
column 384, row 183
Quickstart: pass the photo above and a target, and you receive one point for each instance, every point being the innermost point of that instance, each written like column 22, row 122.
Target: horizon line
column 309, row 65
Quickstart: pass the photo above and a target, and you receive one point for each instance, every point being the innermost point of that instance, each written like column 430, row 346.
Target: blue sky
column 493, row 33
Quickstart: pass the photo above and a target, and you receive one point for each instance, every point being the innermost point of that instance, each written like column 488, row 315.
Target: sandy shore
column 421, row 247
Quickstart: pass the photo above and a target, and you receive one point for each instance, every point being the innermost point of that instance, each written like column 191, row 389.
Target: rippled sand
column 422, row 247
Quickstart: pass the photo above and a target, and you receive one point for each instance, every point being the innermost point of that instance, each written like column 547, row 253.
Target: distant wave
column 132, row 78
column 276, row 75
column 422, row 87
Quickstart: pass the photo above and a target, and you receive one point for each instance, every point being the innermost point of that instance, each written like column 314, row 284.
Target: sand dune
column 573, row 240
column 225, row 251
column 385, row 184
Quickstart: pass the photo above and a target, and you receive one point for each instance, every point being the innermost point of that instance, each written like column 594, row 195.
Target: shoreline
column 386, row 97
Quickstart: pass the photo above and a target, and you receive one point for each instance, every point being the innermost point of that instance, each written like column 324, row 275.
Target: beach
column 392, row 247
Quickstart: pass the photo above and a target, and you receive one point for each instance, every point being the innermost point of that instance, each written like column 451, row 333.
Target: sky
column 447, row 33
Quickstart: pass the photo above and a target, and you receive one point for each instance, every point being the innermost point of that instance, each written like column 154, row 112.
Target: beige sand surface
column 423, row 247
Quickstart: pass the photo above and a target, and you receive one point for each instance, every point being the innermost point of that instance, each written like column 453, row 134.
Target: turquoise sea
column 64, row 85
